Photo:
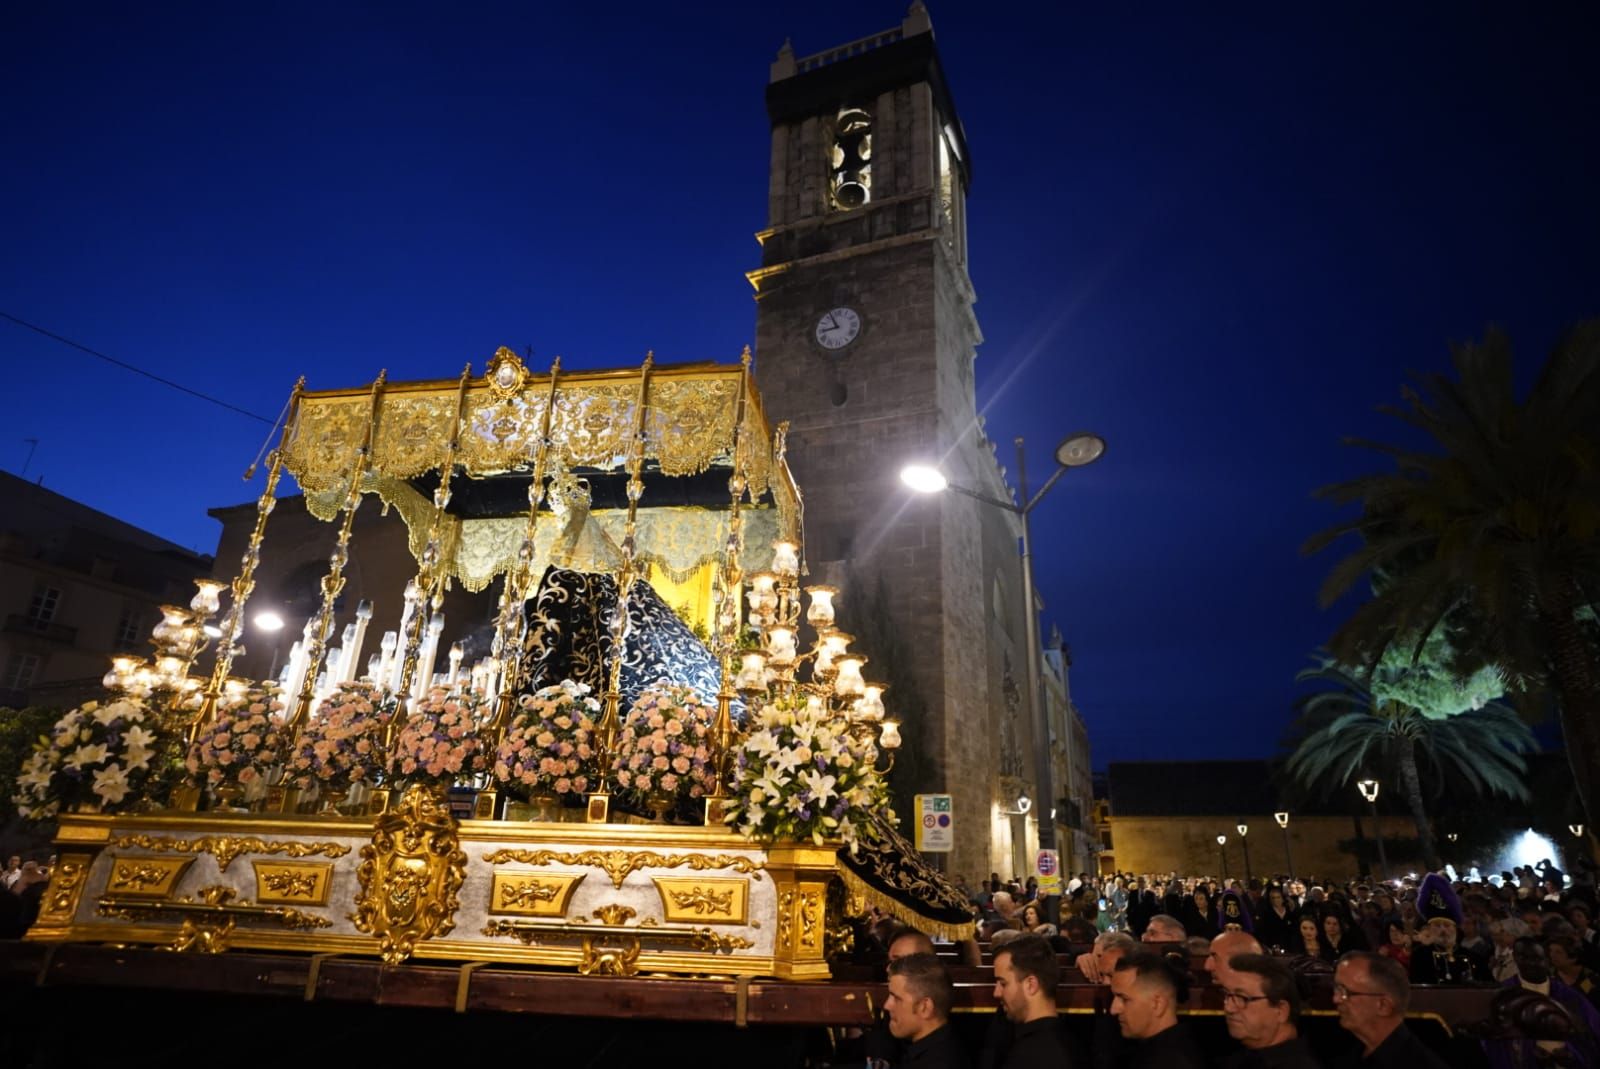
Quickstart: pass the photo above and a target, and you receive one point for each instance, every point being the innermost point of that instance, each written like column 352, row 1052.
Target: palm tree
column 1347, row 731
column 1496, row 528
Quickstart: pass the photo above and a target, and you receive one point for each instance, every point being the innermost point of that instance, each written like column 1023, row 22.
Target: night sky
column 1220, row 241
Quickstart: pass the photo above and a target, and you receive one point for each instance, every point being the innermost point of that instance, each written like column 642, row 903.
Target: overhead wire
column 136, row 370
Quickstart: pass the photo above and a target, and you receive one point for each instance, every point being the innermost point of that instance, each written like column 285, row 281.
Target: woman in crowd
column 1338, row 936
column 1275, row 924
column 1198, row 916
column 1309, row 941
column 1397, row 943
column 1033, row 921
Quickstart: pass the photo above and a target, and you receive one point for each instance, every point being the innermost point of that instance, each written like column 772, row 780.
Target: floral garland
column 441, row 741
column 247, row 737
column 96, row 754
column 801, row 774
column 549, row 746
column 342, row 744
column 665, row 745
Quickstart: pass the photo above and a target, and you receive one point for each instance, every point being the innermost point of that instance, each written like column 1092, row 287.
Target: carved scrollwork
column 620, row 864
column 225, row 848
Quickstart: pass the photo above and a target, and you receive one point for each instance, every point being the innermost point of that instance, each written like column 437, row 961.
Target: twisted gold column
column 726, row 621
column 333, row 582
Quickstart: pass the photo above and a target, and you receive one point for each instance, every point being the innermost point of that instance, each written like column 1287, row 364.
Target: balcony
column 28, row 625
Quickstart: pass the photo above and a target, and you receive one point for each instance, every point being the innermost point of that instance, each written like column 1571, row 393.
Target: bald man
column 1225, row 946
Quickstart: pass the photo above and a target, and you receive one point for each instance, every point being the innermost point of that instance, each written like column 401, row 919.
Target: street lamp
column 1369, row 791
column 1282, row 817
column 1222, row 849
column 1075, row 451
column 1244, row 830
column 271, row 622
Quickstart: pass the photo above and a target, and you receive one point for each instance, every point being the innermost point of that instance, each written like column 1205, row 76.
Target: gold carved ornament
column 225, row 848
column 620, row 864
column 209, row 917
column 410, row 875
column 66, row 884
column 703, row 901
column 292, row 884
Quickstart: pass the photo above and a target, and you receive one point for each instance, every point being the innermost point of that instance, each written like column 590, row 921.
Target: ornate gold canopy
column 686, row 428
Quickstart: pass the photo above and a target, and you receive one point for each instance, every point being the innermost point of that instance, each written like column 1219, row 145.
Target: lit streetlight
column 1222, row 849
column 1075, row 451
column 1244, row 843
column 1282, row 817
column 1369, row 791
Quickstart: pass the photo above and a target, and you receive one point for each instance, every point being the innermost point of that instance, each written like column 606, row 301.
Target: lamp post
column 1075, row 451
column 1222, row 850
column 1244, row 843
column 1369, row 791
column 1282, row 817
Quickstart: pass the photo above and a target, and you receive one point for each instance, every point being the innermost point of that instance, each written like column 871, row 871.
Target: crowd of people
column 1148, row 942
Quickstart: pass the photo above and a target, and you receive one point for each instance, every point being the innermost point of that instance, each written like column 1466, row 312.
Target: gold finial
column 744, row 357
column 555, row 365
column 649, row 358
column 466, row 372
column 383, row 376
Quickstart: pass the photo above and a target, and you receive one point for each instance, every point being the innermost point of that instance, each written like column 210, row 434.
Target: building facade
column 1069, row 754
column 77, row 587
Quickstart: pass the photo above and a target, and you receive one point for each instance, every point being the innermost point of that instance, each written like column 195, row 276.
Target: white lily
column 88, row 754
column 111, row 783
column 821, row 787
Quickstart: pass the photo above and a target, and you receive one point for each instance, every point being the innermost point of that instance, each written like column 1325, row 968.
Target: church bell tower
column 865, row 342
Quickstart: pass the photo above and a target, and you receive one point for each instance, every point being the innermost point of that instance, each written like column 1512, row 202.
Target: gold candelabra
column 835, row 684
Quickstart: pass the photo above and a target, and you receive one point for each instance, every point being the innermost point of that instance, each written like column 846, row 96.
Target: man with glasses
column 1371, row 993
column 1261, row 1003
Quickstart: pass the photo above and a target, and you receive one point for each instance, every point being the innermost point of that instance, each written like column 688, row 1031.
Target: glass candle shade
column 890, row 735
column 849, row 683
column 208, row 596
column 786, row 559
column 820, row 614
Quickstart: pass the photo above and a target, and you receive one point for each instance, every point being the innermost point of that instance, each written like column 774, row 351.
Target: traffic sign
column 935, row 824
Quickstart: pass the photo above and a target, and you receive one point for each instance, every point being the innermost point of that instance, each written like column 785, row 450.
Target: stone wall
column 1189, row 845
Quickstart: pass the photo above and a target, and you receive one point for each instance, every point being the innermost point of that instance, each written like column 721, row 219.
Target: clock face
column 838, row 327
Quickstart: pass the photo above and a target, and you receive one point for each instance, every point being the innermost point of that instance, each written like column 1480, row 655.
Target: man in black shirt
column 1261, row 1003
column 1025, row 977
column 1146, row 987
column 919, row 1013
column 1371, row 993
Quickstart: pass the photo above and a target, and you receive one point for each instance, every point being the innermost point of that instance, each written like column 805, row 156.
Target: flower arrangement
column 664, row 746
column 801, row 773
column 96, row 754
column 440, row 742
column 247, row 736
column 342, row 743
column 549, row 746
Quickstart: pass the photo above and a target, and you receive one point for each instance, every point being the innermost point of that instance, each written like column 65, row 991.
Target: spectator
column 1261, row 1007
column 1224, row 947
column 1164, row 928
column 918, row 1006
column 1397, row 942
column 13, row 870
column 1569, row 968
column 1275, row 923
column 1371, row 993
column 1534, row 974
column 1338, row 936
column 1109, row 948
column 1310, row 929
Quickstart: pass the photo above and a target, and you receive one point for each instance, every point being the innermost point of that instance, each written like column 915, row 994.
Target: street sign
column 1048, row 869
column 936, row 833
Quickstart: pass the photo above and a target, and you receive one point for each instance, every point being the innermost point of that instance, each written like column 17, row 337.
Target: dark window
column 20, row 671
column 1105, row 839
column 42, row 609
column 129, row 628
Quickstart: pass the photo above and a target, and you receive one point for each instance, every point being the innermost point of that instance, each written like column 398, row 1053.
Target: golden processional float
column 728, row 804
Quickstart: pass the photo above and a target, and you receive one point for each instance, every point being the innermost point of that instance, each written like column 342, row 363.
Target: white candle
column 430, row 651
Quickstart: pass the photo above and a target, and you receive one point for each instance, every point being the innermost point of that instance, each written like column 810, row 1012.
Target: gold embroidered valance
column 687, row 428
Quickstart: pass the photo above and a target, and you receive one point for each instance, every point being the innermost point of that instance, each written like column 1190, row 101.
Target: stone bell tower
column 865, row 341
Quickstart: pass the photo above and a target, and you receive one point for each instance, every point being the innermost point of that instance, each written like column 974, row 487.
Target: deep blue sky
column 1219, row 239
